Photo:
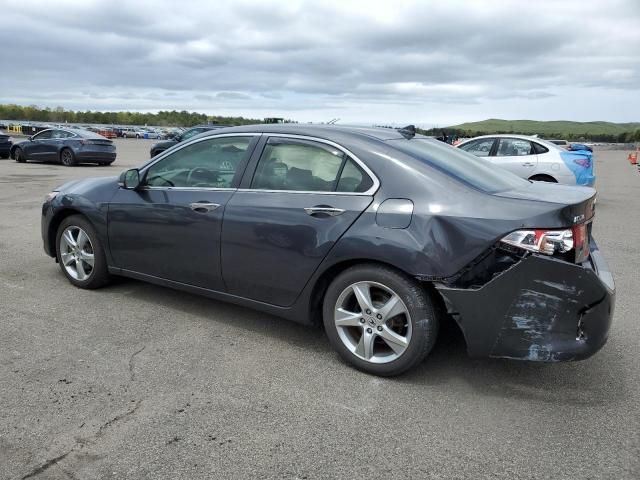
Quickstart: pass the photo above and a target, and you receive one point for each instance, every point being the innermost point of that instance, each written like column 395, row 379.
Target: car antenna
column 408, row 132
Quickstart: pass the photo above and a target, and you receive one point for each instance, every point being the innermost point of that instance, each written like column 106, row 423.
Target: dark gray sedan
column 379, row 235
column 68, row 146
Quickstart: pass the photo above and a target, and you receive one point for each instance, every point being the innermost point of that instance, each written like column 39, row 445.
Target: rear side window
column 474, row 171
column 479, row 148
column 304, row 166
column 514, row 147
column 538, row 149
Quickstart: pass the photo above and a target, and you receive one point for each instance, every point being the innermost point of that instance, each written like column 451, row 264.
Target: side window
column 538, row 149
column 353, row 178
column 60, row 134
column 43, row 135
column 479, row 148
column 298, row 166
column 210, row 163
column 514, row 147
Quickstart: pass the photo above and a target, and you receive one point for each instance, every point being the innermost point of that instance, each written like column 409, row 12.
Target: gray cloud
column 429, row 62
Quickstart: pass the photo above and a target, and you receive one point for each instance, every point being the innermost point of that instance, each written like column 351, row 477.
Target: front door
column 302, row 198
column 170, row 227
column 40, row 147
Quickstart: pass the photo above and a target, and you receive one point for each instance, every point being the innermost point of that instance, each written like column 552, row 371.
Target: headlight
column 50, row 196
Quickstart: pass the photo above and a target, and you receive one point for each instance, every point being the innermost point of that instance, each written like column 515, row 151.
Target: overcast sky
column 428, row 63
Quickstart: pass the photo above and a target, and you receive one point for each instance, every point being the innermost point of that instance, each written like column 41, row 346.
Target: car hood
column 164, row 144
column 87, row 185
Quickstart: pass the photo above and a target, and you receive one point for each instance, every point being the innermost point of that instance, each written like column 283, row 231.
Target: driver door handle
column 203, row 207
column 332, row 212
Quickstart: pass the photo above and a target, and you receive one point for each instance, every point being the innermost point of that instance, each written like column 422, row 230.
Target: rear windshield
column 472, row 170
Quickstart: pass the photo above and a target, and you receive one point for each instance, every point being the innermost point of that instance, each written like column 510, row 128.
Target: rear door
column 516, row 155
column 300, row 195
column 170, row 227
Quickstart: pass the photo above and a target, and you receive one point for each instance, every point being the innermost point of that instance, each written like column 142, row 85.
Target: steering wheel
column 160, row 177
column 197, row 171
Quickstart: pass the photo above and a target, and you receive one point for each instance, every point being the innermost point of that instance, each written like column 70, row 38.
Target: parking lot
column 139, row 381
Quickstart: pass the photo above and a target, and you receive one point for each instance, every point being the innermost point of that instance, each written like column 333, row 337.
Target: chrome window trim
column 374, row 187
column 164, row 154
column 192, row 189
column 168, row 151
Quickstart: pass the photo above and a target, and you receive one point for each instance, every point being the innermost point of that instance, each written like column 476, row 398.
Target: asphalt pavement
column 137, row 381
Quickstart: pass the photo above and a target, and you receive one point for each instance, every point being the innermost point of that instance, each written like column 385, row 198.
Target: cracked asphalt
column 139, row 381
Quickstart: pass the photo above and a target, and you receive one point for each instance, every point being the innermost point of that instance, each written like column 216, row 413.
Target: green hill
column 595, row 131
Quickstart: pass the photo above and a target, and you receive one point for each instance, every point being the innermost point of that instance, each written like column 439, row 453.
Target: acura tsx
column 378, row 234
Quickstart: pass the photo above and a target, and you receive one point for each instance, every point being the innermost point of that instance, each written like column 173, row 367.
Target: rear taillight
column 553, row 242
column 583, row 162
column 580, row 242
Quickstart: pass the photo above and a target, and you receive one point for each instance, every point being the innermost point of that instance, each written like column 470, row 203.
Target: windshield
column 472, row 170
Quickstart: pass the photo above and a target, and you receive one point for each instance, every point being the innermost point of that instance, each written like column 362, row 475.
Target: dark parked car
column 375, row 233
column 5, row 145
column 68, row 146
column 160, row 147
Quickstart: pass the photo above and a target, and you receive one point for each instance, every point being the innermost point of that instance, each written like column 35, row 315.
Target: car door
column 516, row 155
column 37, row 147
column 170, row 227
column 303, row 195
column 59, row 138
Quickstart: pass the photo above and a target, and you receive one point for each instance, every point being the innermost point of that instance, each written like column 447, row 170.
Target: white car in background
column 533, row 158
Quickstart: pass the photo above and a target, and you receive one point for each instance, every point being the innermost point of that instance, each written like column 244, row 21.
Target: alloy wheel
column 373, row 322
column 76, row 253
column 67, row 157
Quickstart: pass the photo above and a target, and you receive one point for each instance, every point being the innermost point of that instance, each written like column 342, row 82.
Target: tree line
column 171, row 118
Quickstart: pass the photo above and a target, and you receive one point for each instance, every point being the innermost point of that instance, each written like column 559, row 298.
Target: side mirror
column 130, row 179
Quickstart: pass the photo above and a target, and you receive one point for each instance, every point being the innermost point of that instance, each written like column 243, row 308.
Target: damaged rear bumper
column 540, row 309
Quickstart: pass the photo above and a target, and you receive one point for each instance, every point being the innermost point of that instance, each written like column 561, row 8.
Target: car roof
column 505, row 135
column 80, row 132
column 314, row 130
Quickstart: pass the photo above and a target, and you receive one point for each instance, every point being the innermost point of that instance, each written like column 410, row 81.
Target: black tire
column 18, row 155
column 419, row 304
column 99, row 275
column 4, row 156
column 543, row 178
column 67, row 157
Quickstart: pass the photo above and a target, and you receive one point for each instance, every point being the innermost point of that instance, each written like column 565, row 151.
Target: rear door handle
column 330, row 211
column 203, row 207
column 528, row 164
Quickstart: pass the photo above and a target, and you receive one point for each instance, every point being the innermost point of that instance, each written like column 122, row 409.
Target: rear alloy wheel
column 18, row 155
column 80, row 254
column 67, row 158
column 379, row 320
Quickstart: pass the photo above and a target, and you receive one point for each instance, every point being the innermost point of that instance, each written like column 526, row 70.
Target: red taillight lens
column 580, row 242
column 573, row 242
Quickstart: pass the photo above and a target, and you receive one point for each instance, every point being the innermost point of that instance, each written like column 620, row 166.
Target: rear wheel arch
column 543, row 177
column 323, row 281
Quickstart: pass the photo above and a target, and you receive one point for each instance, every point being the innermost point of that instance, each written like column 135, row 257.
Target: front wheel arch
column 55, row 224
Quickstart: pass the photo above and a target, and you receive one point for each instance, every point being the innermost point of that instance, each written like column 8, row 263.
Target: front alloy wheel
column 80, row 253
column 76, row 253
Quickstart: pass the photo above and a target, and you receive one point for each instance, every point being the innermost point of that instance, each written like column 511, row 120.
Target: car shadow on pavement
column 593, row 382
